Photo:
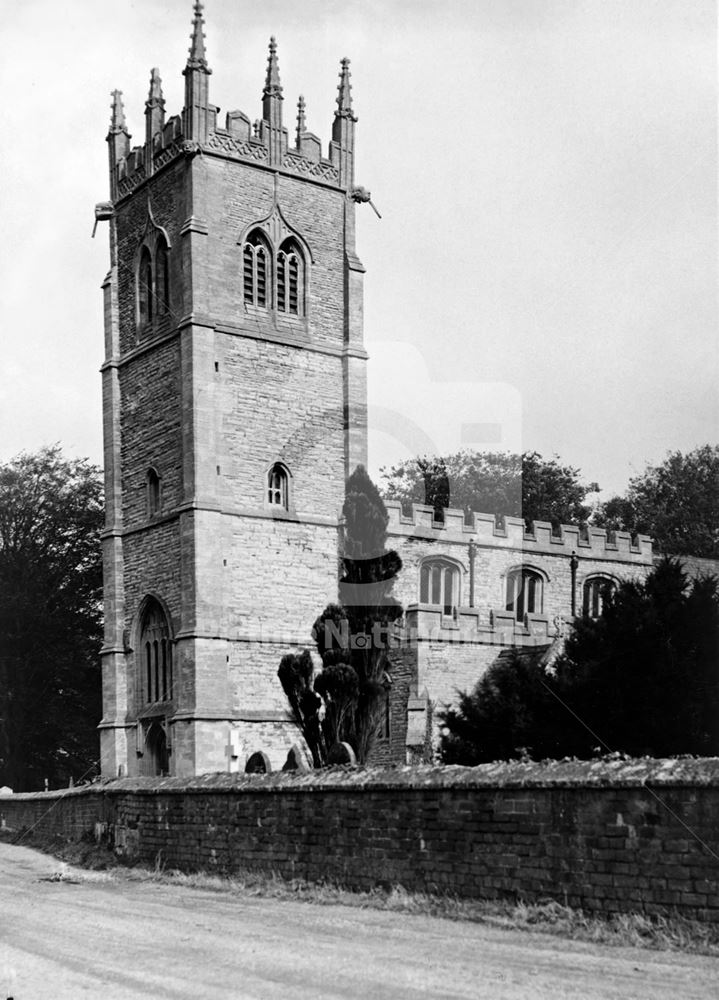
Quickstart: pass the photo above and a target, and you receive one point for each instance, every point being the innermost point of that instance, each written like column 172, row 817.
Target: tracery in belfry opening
column 275, row 267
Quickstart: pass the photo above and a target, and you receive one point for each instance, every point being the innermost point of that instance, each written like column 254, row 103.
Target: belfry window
column 153, row 282
column 290, row 279
column 596, row 590
column 525, row 592
column 278, row 486
column 439, row 585
column 255, row 259
column 156, row 652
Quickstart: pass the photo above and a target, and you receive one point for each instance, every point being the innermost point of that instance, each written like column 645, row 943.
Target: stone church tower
column 234, row 402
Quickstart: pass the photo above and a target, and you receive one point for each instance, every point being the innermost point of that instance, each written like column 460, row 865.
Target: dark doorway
column 157, row 758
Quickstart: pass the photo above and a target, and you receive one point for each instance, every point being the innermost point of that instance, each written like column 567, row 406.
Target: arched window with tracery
column 156, row 654
column 162, row 279
column 439, row 585
column 145, row 289
column 290, row 279
column 255, row 267
column 525, row 592
column 278, row 486
column 595, row 592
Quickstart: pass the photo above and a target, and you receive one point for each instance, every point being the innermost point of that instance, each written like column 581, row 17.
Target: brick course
column 608, row 837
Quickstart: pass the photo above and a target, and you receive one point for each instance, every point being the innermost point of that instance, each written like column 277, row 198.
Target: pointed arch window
column 278, row 486
column 595, row 592
column 525, row 592
column 154, row 492
column 156, row 653
column 153, row 281
column 255, row 267
column 439, row 585
column 290, row 279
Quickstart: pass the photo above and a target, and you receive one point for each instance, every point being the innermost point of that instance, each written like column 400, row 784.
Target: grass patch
column 672, row 933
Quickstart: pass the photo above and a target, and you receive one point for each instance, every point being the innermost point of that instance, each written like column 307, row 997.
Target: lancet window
column 154, row 492
column 290, row 279
column 255, row 259
column 278, row 486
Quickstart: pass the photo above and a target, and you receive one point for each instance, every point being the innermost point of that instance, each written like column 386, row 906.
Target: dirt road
column 115, row 939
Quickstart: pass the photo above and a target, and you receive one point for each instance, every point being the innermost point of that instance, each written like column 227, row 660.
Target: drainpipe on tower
column 472, row 554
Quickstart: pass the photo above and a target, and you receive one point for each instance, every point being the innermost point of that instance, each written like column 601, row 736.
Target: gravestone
column 295, row 761
column 258, row 763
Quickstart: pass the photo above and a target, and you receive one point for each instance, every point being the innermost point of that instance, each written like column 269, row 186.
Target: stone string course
column 609, row 837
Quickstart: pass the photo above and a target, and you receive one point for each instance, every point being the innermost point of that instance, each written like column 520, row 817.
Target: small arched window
column 525, row 592
column 145, row 289
column 439, row 585
column 162, row 279
column 156, row 650
column 595, row 593
column 154, row 492
column 290, row 279
column 278, row 486
column 255, row 266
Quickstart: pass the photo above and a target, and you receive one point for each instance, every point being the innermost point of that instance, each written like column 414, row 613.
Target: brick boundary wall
column 609, row 837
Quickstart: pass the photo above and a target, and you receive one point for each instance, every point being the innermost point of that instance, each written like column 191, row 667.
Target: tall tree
column 345, row 701
column 640, row 679
column 526, row 485
column 50, row 618
column 677, row 503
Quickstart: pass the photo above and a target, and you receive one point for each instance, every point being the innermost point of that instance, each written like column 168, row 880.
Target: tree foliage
column 677, row 503
column 344, row 702
column 641, row 679
column 526, row 485
column 50, row 618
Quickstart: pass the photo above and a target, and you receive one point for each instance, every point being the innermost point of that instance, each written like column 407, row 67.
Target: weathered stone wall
column 606, row 836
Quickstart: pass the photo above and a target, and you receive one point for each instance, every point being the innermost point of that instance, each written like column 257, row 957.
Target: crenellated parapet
column 264, row 141
column 512, row 533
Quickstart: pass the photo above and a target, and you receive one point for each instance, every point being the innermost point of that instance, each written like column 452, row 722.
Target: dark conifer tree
column 641, row 679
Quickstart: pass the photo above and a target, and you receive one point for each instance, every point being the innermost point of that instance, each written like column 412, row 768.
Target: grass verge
column 672, row 933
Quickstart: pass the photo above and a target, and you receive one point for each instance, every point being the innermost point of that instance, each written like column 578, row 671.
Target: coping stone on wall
column 632, row 773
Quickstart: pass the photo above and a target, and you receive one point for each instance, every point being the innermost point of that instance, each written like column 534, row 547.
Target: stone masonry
column 205, row 390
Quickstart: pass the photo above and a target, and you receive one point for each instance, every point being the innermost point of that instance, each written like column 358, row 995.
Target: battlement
column 265, row 141
column 512, row 533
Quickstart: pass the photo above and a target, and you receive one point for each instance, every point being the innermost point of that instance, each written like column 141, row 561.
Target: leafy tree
column 345, row 701
column 50, row 618
column 501, row 483
column 677, row 503
column 640, row 679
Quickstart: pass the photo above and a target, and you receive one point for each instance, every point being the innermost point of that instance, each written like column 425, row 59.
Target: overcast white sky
column 544, row 274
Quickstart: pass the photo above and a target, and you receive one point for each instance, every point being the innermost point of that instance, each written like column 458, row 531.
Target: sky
column 543, row 275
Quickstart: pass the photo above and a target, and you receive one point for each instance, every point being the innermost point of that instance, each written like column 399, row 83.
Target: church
column 234, row 408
